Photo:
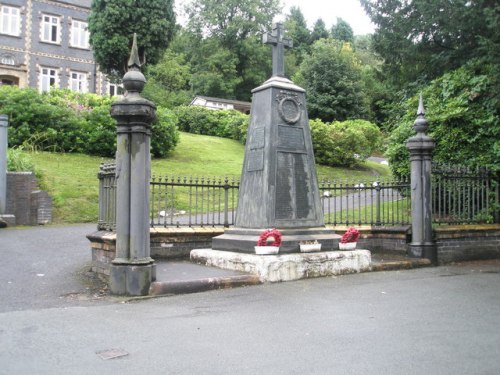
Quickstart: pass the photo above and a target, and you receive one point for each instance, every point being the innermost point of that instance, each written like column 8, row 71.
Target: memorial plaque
column 302, row 187
column 284, row 186
column 255, row 160
column 257, row 138
column 291, row 137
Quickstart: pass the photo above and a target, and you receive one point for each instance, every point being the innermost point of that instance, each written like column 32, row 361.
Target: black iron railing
column 461, row 195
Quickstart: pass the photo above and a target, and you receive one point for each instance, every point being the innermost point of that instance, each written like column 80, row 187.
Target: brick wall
column 467, row 242
column 29, row 205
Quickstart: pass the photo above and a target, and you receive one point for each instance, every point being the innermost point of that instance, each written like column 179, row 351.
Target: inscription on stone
column 284, row 185
column 290, row 137
column 257, row 138
column 293, row 187
column 255, row 160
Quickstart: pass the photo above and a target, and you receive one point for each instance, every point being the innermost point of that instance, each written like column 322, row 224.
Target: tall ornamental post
column 3, row 163
column 421, row 147
column 132, row 270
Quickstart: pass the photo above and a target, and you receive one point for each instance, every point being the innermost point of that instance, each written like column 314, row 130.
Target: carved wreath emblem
column 289, row 106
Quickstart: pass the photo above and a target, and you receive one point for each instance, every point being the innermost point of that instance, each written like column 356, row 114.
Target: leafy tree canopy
column 343, row 31
column 319, row 31
column 113, row 22
column 332, row 77
column 422, row 39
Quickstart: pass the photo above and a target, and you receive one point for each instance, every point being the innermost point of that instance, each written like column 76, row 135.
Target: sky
column 349, row 10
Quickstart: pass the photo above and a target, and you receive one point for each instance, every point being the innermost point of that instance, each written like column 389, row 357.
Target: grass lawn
column 71, row 179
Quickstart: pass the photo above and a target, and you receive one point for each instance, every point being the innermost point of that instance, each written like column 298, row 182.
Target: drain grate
column 112, row 353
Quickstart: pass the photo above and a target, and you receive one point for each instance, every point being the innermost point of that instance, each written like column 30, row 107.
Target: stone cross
column 279, row 43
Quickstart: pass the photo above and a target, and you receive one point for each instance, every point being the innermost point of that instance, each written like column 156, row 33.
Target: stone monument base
column 287, row 267
column 243, row 240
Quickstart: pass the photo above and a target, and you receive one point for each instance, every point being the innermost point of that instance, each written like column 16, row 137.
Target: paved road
column 441, row 320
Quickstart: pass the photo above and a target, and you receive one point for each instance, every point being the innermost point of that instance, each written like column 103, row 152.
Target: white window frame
column 51, row 29
column 78, row 81
column 79, row 34
column 116, row 87
column 49, row 78
column 10, row 20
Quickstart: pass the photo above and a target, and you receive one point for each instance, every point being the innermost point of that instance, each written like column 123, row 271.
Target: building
column 217, row 103
column 45, row 43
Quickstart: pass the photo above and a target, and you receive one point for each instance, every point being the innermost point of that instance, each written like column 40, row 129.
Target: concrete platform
column 286, row 267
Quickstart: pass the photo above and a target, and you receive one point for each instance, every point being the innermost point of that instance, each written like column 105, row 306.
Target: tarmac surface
column 55, row 318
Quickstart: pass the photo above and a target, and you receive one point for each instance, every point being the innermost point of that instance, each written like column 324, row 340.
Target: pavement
column 48, row 266
column 56, row 319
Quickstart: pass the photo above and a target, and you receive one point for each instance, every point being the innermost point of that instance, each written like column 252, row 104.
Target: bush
column 344, row 144
column 165, row 135
column 220, row 123
column 462, row 111
column 68, row 121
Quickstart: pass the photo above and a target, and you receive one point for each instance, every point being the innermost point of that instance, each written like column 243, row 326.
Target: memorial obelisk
column 279, row 187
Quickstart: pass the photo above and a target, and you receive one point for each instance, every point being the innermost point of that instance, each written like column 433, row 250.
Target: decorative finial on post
column 420, row 125
column 134, row 80
column 279, row 43
column 133, row 61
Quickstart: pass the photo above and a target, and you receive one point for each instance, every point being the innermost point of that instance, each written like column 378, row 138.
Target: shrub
column 68, row 121
column 344, row 143
column 462, row 111
column 221, row 123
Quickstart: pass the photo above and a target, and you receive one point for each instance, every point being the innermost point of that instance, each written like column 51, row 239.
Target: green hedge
column 67, row 121
column 344, row 144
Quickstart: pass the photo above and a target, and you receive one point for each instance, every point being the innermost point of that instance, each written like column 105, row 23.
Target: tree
column 113, row 22
column 332, row 77
column 225, row 50
column 319, row 31
column 168, row 82
column 296, row 29
column 422, row 39
column 343, row 31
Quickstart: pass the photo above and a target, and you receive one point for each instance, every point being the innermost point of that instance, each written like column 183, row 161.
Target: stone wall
column 453, row 243
column 467, row 242
column 29, row 205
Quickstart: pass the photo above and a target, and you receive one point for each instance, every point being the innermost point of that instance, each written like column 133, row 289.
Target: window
column 7, row 60
column 78, row 81
column 50, row 29
column 115, row 89
column 48, row 79
column 10, row 20
column 79, row 34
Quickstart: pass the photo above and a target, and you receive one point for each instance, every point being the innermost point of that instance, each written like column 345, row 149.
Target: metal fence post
column 3, row 163
column 420, row 147
column 378, row 189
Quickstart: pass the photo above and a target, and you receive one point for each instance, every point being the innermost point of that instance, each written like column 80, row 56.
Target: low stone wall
column 467, row 242
column 175, row 243
column 455, row 243
column 392, row 239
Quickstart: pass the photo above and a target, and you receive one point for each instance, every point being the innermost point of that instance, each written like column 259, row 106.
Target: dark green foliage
column 462, row 108
column 66, row 121
column 198, row 120
column 165, row 135
column 343, row 31
column 344, row 144
column 296, row 29
column 113, row 22
column 319, row 31
column 422, row 39
column 331, row 76
column 222, row 43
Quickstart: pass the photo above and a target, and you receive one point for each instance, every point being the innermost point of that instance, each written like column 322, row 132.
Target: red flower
column 352, row 235
column 275, row 234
